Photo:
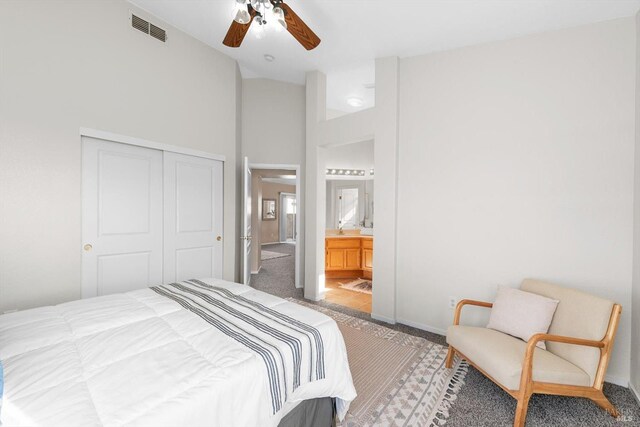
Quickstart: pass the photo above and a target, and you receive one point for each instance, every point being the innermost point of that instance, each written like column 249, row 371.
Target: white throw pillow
column 522, row 314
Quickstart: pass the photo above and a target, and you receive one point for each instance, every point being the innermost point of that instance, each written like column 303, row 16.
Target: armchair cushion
column 522, row 314
column 501, row 356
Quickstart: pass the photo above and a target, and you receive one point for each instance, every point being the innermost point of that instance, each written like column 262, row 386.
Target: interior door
column 246, row 224
column 348, row 208
column 121, row 217
column 193, row 211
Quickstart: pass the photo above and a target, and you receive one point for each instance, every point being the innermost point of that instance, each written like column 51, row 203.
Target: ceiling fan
column 257, row 12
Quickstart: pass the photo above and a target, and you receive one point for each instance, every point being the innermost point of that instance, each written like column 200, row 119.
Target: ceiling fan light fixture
column 264, row 10
column 241, row 14
column 278, row 14
column 258, row 27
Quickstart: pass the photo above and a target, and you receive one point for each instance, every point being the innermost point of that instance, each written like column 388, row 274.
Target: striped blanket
column 292, row 351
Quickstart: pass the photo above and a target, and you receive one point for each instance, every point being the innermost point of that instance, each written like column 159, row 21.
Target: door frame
column 246, row 222
column 282, row 219
column 124, row 139
column 299, row 209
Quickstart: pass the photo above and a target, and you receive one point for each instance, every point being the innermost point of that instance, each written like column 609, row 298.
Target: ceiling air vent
column 158, row 33
column 140, row 24
column 148, row 28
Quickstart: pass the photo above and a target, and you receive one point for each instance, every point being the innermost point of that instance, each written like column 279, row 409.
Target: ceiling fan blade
column 299, row 30
column 237, row 31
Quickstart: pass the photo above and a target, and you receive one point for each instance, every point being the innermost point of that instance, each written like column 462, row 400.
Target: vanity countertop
column 348, row 236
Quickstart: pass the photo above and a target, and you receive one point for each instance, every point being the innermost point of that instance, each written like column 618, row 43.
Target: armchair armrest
column 535, row 339
column 527, row 364
column 462, row 303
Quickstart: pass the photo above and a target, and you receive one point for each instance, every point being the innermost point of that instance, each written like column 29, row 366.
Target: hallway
column 277, row 276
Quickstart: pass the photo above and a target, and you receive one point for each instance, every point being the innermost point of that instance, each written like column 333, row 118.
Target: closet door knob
column 88, row 247
column 219, row 238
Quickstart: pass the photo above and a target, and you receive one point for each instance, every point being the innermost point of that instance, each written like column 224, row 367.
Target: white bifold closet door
column 193, row 217
column 122, row 217
column 148, row 216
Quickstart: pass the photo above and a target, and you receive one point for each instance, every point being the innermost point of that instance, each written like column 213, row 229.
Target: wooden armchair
column 579, row 345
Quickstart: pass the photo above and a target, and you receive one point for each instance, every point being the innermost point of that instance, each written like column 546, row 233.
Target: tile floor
column 352, row 299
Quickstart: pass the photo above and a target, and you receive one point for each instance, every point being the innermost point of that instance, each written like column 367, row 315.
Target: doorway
column 349, row 239
column 274, row 216
column 288, row 231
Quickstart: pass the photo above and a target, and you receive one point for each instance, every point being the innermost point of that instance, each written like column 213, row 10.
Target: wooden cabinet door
column 367, row 259
column 335, row 259
column 352, row 259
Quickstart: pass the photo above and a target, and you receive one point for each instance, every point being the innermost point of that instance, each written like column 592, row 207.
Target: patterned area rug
column 400, row 379
column 358, row 285
column 265, row 255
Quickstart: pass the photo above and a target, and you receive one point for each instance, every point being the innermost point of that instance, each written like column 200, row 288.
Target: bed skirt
column 312, row 413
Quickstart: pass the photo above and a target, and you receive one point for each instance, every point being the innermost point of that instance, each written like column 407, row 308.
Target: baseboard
column 270, row 243
column 319, row 297
column 614, row 379
column 634, row 392
column 257, row 271
column 423, row 326
column 383, row 318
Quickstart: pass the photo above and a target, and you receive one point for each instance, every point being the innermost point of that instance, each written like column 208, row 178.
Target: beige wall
column 516, row 160
column 270, row 230
column 66, row 65
column 635, row 341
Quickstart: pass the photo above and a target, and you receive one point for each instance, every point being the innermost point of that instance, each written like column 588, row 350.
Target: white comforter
column 141, row 359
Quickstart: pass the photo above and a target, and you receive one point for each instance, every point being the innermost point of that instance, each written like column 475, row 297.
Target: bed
column 195, row 353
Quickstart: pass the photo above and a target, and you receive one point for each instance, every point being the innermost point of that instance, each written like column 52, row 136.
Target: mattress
column 143, row 359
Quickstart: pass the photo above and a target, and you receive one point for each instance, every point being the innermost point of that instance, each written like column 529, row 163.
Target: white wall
column 351, row 156
column 239, row 173
column 273, row 117
column 515, row 161
column 66, row 65
column 635, row 339
column 386, row 128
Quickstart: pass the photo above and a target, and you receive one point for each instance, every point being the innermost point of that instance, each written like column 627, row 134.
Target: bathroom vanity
column 348, row 256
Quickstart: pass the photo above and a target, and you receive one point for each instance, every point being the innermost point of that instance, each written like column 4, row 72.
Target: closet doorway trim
column 123, row 139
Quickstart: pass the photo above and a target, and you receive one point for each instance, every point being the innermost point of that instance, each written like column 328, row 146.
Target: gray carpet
column 277, row 275
column 480, row 402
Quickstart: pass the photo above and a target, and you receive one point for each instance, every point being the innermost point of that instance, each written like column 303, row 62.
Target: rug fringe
column 455, row 384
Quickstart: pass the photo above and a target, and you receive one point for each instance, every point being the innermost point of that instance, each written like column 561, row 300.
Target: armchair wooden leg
column 449, row 361
column 601, row 400
column 521, row 410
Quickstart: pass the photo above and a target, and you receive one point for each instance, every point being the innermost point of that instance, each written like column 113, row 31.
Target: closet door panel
column 193, row 217
column 121, row 217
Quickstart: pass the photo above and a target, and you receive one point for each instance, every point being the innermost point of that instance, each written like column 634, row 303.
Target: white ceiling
column 355, row 32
